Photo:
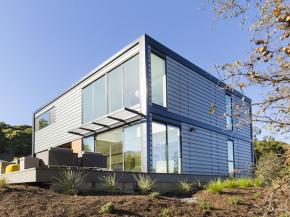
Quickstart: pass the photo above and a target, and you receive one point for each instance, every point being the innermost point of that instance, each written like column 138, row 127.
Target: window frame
column 50, row 112
column 162, row 56
column 231, row 126
column 231, row 161
column 107, row 86
column 166, row 145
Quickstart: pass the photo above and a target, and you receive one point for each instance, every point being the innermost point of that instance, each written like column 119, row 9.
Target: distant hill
column 15, row 141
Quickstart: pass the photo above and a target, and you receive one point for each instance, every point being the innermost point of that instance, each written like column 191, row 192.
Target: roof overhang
column 122, row 117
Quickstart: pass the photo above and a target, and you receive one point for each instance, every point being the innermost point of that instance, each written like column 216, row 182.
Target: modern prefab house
column 147, row 109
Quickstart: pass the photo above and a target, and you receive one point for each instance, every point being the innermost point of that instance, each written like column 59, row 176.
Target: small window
column 231, row 164
column 158, row 80
column 229, row 113
column 44, row 120
column 89, row 144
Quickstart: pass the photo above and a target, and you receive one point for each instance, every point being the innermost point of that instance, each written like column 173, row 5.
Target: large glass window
column 89, row 144
column 132, row 148
column 115, row 82
column 159, row 148
column 88, row 109
column 44, row 120
column 100, row 99
column 158, row 80
column 231, row 165
column 131, row 82
column 165, row 148
column 110, row 145
column 229, row 113
column 173, row 149
column 119, row 88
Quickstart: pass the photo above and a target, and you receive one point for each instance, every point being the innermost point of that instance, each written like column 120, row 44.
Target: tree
column 267, row 64
column 15, row 140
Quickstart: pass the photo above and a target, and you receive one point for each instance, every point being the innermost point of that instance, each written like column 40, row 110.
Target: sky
column 46, row 46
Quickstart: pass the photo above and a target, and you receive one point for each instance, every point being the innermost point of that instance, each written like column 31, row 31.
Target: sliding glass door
column 122, row 147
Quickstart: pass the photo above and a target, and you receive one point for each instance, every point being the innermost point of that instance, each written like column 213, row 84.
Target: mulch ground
column 29, row 201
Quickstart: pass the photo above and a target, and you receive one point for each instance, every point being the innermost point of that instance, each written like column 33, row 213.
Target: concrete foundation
column 163, row 182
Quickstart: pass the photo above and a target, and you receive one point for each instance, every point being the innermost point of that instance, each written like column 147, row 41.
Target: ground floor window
column 122, row 147
column 231, row 164
column 89, row 144
column 165, row 148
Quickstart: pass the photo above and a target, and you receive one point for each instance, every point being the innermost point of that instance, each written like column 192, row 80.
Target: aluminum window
column 165, row 148
column 118, row 88
column 231, row 159
column 158, row 80
column 45, row 119
column 229, row 112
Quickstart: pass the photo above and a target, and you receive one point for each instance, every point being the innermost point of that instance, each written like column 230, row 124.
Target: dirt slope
column 28, row 201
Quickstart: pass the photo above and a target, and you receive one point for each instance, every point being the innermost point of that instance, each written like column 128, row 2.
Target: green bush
column 235, row 201
column 154, row 194
column 184, row 186
column 145, row 183
column 110, row 182
column 68, row 181
column 165, row 212
column 206, row 206
column 3, row 183
column 216, row 186
column 219, row 185
column 107, row 208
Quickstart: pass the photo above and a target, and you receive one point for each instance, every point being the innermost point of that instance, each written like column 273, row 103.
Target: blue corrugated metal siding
column 192, row 95
column 204, row 151
column 243, row 157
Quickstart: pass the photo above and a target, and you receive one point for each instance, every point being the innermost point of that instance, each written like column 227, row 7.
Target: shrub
column 110, row 181
column 165, row 212
column 269, row 167
column 216, row 186
column 206, row 206
column 3, row 183
column 235, row 201
column 145, row 183
column 154, row 194
column 68, row 181
column 184, row 186
column 230, row 183
column 107, row 208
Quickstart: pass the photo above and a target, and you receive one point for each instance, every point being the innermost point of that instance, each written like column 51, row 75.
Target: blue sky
column 46, row 46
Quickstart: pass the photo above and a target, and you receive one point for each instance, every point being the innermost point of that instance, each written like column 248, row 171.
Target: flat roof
column 157, row 45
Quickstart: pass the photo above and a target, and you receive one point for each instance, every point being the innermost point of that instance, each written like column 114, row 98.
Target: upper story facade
column 148, row 83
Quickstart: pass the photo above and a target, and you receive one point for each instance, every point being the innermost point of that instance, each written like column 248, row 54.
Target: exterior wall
column 68, row 107
column 190, row 94
column 77, row 146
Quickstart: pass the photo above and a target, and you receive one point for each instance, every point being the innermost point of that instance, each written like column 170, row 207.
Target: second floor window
column 229, row 112
column 45, row 119
column 118, row 88
column 158, row 80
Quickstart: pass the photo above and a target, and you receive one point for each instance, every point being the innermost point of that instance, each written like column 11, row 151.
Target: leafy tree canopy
column 16, row 141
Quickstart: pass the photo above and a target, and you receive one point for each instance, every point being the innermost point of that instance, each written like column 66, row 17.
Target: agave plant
column 110, row 181
column 145, row 183
column 68, row 181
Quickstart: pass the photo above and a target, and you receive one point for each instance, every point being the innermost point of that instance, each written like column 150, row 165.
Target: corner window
column 44, row 120
column 89, row 144
column 231, row 165
column 229, row 112
column 118, row 88
column 158, row 80
column 165, row 148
